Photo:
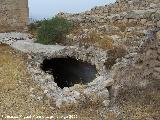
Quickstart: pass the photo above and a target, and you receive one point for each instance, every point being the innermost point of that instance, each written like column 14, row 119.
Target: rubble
column 133, row 24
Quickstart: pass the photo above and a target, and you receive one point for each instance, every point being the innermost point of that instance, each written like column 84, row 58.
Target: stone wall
column 14, row 15
column 132, row 25
column 139, row 71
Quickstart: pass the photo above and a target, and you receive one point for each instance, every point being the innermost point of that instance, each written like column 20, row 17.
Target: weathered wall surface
column 13, row 15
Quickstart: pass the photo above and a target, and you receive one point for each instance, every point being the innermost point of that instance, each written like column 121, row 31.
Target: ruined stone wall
column 139, row 71
column 14, row 15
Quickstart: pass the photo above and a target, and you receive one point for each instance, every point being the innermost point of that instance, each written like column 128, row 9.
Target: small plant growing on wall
column 53, row 30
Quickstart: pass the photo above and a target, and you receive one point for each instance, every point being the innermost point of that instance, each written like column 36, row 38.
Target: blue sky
column 40, row 9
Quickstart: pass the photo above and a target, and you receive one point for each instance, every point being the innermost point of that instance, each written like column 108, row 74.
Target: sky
column 40, row 9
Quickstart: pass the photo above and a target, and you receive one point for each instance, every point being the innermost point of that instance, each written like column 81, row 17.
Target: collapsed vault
column 72, row 75
column 69, row 71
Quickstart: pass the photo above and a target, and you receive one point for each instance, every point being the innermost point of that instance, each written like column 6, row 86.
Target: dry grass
column 114, row 53
column 123, row 25
column 15, row 85
column 98, row 40
column 140, row 104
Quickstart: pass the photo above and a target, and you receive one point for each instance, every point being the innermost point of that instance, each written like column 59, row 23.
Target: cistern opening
column 69, row 71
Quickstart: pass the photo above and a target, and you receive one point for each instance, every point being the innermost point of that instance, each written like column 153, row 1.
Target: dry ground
column 139, row 104
column 16, row 88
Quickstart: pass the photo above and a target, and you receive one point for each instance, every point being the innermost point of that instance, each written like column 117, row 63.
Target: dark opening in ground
column 69, row 71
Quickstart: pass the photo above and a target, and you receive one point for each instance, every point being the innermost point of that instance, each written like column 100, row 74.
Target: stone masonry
column 14, row 15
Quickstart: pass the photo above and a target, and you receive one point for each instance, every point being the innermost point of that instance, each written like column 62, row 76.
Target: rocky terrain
column 131, row 26
column 122, row 40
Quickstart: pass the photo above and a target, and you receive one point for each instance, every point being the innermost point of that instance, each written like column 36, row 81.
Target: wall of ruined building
column 14, row 15
column 126, row 5
column 142, row 71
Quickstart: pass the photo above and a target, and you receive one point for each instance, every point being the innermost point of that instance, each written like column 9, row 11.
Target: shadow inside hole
column 69, row 71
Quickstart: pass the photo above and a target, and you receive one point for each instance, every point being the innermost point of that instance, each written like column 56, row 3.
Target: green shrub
column 53, row 30
column 33, row 27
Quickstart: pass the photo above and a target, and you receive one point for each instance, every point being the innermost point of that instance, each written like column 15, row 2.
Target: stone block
column 14, row 15
column 158, row 35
